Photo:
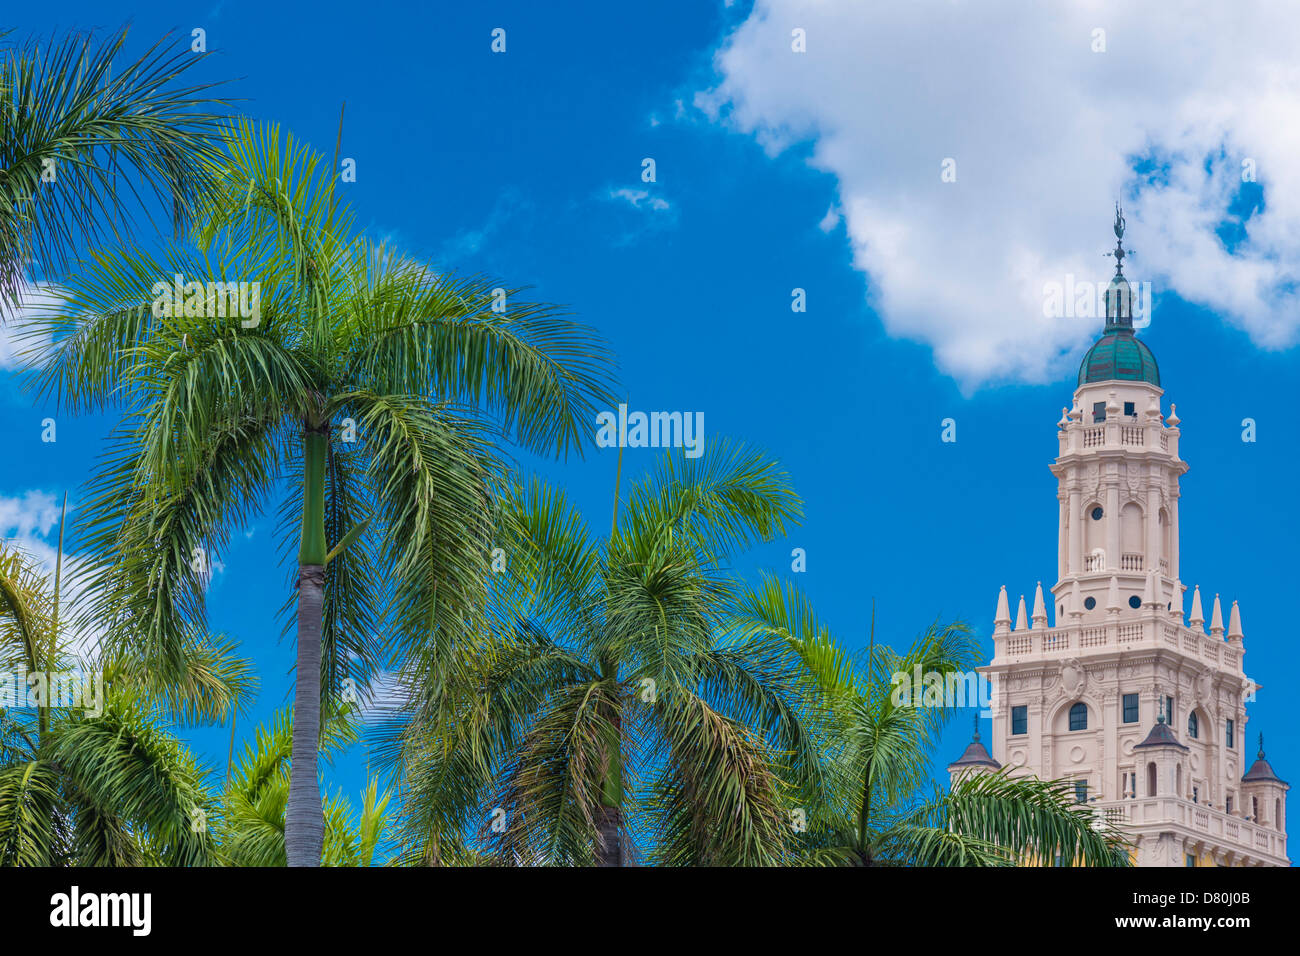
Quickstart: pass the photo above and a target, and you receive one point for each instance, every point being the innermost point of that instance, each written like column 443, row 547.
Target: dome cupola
column 1119, row 355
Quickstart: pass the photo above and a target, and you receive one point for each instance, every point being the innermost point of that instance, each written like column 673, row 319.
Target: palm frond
column 82, row 130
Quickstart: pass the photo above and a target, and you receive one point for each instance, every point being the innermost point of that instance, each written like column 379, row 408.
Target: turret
column 1264, row 793
column 975, row 759
column 1160, row 761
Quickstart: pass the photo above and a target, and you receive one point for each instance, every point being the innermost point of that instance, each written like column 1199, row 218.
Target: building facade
column 1141, row 711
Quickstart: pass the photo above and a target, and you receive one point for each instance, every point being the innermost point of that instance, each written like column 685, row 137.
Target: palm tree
column 608, row 703
column 879, row 747
column 356, row 376
column 253, row 817
column 80, row 130
column 101, row 779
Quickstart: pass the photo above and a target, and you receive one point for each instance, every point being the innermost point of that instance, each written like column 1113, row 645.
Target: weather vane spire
column 1119, row 252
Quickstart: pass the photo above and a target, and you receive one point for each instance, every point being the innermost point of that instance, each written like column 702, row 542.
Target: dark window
column 1192, row 725
column 1090, row 603
column 1130, row 708
column 1230, row 729
column 1191, row 860
column 1081, row 791
column 1019, row 720
column 1098, row 411
column 1097, row 513
column 1196, row 794
column 1228, row 805
column 1079, row 716
column 1134, row 601
column 1169, row 711
column 1130, row 409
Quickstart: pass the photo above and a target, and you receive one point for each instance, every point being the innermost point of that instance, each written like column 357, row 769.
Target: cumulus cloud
column 1044, row 133
column 34, row 298
column 29, row 522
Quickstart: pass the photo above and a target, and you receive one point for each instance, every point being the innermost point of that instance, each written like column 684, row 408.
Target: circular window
column 1096, row 514
column 1090, row 603
column 1135, row 602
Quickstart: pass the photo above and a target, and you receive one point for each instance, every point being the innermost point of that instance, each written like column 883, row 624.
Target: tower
column 1142, row 713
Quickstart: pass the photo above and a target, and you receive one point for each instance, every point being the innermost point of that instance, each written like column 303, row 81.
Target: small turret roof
column 1162, row 735
column 975, row 755
column 1261, row 770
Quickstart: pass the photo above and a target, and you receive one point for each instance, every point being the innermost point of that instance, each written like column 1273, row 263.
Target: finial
column 976, row 738
column 1160, row 718
column 1119, row 252
column 1261, row 745
column 1040, row 607
column 1002, row 619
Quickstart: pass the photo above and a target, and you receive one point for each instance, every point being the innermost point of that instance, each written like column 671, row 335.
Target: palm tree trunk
column 864, row 851
column 609, row 836
column 304, row 818
column 609, row 816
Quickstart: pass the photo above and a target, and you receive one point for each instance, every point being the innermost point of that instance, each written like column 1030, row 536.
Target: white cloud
column 468, row 242
column 1046, row 134
column 29, row 522
column 30, row 517
column 35, row 298
column 639, row 199
column 386, row 697
column 831, row 219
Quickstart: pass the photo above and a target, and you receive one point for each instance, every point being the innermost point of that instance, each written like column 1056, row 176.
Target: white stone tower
column 1143, row 714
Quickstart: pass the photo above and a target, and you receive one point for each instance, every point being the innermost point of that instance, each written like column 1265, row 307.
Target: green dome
column 1119, row 355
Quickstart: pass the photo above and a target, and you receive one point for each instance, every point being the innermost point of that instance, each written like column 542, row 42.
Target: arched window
column 1079, row 716
column 1094, row 537
column 1151, row 779
column 1254, row 809
column 1131, row 536
column 1192, row 725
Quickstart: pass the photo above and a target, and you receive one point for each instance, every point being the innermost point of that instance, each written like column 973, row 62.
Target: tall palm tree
column 83, row 130
column 607, row 703
column 109, row 788
column 879, row 746
column 360, row 378
column 252, row 829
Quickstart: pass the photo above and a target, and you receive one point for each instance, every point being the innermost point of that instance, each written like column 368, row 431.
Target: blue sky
column 528, row 165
